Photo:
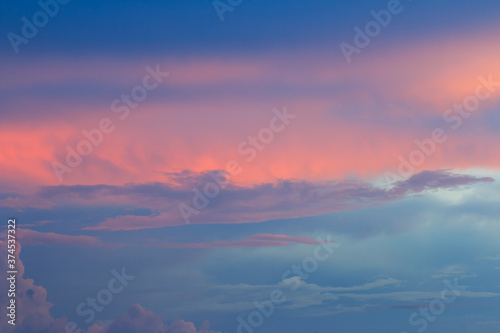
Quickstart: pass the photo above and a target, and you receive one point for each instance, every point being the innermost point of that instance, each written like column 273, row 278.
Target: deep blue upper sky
column 193, row 28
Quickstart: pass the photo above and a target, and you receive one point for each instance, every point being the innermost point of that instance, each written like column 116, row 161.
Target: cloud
column 259, row 240
column 156, row 204
column 35, row 238
column 431, row 84
column 21, row 201
column 308, row 296
column 493, row 258
column 450, row 271
column 376, row 284
column 241, row 297
column 32, row 307
column 140, row 320
column 33, row 315
column 353, row 120
column 416, row 296
column 238, row 204
column 440, row 179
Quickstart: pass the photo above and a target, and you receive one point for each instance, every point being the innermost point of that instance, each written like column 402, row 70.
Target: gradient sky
column 336, row 174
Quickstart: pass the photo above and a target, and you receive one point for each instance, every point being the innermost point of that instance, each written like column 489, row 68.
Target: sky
column 251, row 166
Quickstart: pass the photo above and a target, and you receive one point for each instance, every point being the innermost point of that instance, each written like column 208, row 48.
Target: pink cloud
column 431, row 65
column 319, row 146
column 35, row 238
column 344, row 125
column 33, row 315
column 140, row 320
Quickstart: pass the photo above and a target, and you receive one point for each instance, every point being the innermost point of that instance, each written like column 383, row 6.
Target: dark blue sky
column 193, row 28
